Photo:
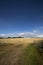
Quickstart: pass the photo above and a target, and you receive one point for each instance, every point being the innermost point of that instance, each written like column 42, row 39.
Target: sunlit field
column 20, row 40
column 21, row 51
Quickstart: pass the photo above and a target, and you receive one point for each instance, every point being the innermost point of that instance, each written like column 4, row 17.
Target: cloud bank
column 33, row 34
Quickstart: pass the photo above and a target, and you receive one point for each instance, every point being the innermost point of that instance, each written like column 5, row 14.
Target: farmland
column 20, row 51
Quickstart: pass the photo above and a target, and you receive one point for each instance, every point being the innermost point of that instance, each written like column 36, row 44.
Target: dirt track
column 12, row 57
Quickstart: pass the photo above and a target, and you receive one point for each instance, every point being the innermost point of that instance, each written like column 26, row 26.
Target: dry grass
column 11, row 50
column 19, row 40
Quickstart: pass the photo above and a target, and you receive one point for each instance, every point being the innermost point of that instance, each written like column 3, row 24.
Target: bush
column 40, row 46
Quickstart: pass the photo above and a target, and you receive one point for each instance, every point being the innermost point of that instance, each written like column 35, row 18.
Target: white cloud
column 2, row 35
column 35, row 31
column 27, row 34
column 23, row 34
column 40, row 36
column 30, row 34
column 6, row 35
column 20, row 34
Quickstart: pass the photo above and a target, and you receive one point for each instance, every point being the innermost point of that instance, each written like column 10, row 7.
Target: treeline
column 11, row 37
column 15, row 37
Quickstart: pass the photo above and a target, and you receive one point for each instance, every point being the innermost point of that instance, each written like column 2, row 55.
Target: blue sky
column 21, row 16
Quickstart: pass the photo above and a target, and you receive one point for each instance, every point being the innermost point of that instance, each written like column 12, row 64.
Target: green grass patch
column 33, row 54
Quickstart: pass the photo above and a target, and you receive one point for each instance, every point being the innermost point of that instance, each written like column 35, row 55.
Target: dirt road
column 12, row 56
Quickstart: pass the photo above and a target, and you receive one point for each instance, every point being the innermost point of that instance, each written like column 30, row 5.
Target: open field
column 20, row 51
column 19, row 40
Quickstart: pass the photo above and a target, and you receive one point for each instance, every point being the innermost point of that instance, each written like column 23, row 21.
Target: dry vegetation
column 19, row 40
column 11, row 50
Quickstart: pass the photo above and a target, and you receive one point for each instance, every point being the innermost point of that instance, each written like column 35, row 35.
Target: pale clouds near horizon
column 34, row 33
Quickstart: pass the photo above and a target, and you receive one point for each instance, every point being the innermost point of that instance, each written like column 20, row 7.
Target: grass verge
column 33, row 54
